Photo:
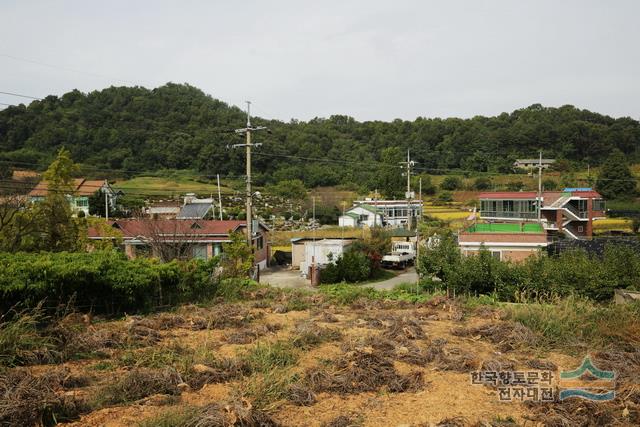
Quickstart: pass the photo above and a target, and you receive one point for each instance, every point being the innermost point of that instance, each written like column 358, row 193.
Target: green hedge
column 571, row 273
column 105, row 282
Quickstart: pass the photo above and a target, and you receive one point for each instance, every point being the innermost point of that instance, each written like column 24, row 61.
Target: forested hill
column 177, row 126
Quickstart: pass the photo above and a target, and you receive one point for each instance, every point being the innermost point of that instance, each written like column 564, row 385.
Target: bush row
column 104, row 281
column 570, row 273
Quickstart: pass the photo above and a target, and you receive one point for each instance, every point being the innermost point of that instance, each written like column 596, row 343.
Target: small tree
column 442, row 259
column 445, row 197
column 237, row 257
column 616, row 180
column 60, row 231
column 451, row 183
column 97, row 203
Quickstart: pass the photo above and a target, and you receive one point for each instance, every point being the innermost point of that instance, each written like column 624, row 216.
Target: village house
column 570, row 212
column 513, row 231
column 201, row 239
column 361, row 215
column 533, row 163
column 506, row 242
column 386, row 213
column 82, row 190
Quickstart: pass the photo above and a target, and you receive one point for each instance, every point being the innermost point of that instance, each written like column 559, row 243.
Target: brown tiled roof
column 81, row 186
column 196, row 229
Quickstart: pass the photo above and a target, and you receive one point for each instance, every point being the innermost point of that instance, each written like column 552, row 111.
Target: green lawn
column 173, row 183
column 506, row 228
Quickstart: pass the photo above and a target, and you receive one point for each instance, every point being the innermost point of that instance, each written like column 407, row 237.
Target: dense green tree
column 133, row 130
column 616, row 180
column 291, row 189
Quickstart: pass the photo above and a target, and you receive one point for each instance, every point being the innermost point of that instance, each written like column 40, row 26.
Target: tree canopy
column 177, row 126
column 616, row 180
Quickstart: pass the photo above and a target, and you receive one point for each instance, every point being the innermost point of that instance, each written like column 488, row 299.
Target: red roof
column 508, row 195
column 587, row 194
column 167, row 228
column 531, row 195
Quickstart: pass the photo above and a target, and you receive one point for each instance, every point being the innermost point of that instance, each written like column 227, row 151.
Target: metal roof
column 194, row 211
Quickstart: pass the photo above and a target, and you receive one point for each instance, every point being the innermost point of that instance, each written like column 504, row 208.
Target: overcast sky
column 367, row 59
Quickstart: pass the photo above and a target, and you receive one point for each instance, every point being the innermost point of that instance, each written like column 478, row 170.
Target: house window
column 199, row 251
column 497, row 255
column 364, row 217
column 260, row 243
column 598, row 204
column 580, row 229
column 82, row 202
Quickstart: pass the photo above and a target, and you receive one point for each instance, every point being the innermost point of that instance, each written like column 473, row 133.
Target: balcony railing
column 508, row 214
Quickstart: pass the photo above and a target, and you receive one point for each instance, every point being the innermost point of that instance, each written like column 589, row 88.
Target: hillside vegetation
column 129, row 130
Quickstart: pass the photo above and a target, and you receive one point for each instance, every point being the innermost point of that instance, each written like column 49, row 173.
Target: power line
column 59, row 67
column 20, row 95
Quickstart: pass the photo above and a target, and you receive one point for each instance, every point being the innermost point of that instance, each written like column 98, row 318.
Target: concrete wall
column 503, row 237
column 514, row 255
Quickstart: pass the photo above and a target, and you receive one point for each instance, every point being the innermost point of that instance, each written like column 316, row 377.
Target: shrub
column 445, row 197
column 451, row 183
column 482, row 183
column 540, row 277
column 353, row 266
column 104, row 281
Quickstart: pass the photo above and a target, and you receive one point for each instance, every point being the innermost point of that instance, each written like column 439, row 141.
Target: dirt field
column 293, row 359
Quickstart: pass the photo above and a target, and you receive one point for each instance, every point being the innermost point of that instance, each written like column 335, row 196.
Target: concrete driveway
column 279, row 277
column 408, row 276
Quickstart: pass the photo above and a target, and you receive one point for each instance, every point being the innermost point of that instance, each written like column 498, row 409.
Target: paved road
column 283, row 278
column 408, row 276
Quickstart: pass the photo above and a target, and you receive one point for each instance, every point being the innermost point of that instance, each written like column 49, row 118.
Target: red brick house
column 570, row 212
column 506, row 242
column 513, row 232
column 175, row 238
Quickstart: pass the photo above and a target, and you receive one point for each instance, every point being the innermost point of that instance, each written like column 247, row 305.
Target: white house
column 360, row 215
column 392, row 213
column 322, row 252
column 533, row 163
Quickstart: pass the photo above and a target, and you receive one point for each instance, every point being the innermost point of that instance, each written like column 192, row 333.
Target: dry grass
column 138, row 384
column 236, row 413
column 27, row 400
column 359, row 371
column 308, row 334
column 506, row 335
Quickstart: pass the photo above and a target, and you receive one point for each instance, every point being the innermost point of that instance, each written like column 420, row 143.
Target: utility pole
column 219, row 196
column 106, row 200
column 408, row 164
column 540, row 189
column 248, row 144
